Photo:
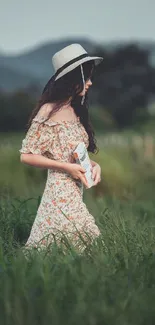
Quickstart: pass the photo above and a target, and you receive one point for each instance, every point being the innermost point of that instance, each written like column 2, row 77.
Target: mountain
column 34, row 67
column 12, row 79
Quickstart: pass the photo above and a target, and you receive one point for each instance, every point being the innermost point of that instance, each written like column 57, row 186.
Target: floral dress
column 62, row 211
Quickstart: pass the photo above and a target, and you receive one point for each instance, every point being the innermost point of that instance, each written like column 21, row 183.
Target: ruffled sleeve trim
column 39, row 138
column 42, row 119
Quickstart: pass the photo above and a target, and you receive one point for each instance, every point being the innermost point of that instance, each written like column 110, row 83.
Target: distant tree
column 15, row 109
column 125, row 82
column 34, row 90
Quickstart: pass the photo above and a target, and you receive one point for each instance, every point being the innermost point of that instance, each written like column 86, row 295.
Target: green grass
column 124, row 171
column 113, row 280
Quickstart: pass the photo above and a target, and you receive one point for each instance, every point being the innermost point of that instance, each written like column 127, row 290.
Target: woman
column 58, row 123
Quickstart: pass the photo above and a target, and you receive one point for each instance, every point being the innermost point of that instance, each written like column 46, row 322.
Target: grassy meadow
column 113, row 280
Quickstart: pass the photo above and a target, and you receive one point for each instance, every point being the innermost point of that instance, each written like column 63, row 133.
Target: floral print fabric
column 61, row 210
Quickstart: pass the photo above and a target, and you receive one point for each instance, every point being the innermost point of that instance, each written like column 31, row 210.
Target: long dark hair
column 60, row 91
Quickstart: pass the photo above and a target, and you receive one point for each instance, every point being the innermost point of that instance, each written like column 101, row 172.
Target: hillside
column 35, row 66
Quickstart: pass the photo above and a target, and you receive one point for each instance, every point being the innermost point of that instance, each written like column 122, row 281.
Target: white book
column 82, row 157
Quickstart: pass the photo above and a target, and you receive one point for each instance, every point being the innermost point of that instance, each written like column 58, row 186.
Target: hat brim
column 97, row 60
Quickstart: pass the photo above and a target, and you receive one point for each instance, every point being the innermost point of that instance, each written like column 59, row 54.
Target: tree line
column 124, row 86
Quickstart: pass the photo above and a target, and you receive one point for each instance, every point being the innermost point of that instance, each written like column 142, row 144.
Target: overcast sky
column 25, row 24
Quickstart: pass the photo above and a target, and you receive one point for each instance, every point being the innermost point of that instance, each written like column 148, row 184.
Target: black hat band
column 71, row 62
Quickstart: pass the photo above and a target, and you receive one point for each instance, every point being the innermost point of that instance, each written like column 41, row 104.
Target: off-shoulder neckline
column 52, row 122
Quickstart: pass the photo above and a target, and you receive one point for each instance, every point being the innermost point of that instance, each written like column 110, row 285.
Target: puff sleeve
column 38, row 139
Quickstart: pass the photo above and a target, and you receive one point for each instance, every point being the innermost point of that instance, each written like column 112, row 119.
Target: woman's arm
column 96, row 172
column 75, row 170
column 93, row 163
column 42, row 162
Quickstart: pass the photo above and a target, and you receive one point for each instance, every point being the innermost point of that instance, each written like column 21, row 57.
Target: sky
column 29, row 23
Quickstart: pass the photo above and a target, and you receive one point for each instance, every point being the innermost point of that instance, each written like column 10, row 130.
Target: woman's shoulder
column 43, row 118
column 44, row 111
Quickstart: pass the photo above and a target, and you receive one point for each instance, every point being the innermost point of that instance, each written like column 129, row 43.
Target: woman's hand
column 77, row 172
column 96, row 173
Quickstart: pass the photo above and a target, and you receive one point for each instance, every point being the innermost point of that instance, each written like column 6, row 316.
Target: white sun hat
column 70, row 58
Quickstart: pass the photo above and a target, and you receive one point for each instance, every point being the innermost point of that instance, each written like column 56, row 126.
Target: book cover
column 82, row 157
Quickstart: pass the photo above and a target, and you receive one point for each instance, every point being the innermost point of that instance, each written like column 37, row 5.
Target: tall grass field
column 113, row 280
